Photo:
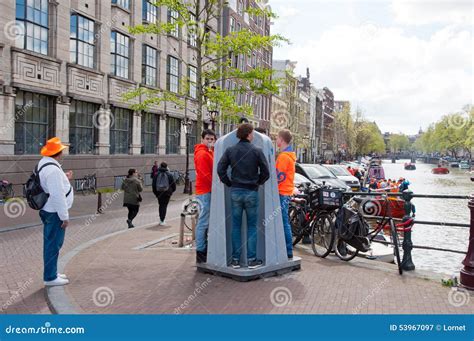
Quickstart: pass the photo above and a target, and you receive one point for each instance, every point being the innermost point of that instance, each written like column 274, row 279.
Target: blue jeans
column 203, row 222
column 53, row 238
column 244, row 200
column 285, row 202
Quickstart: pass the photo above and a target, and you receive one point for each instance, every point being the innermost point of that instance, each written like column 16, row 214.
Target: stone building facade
column 64, row 66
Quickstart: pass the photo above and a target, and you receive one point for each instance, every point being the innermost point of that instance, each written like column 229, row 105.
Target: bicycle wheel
column 396, row 246
column 323, row 234
column 344, row 251
column 296, row 224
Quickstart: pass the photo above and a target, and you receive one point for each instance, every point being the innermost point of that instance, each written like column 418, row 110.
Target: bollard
column 99, row 203
column 181, row 230
column 467, row 274
column 193, row 224
column 407, row 262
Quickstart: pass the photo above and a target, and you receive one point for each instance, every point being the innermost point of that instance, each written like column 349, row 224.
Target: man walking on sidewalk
column 203, row 163
column 249, row 171
column 163, row 187
column 54, row 214
column 285, row 165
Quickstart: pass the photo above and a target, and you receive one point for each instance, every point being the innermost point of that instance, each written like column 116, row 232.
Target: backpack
column 32, row 190
column 162, row 182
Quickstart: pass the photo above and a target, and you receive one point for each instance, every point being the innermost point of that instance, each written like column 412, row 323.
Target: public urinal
column 271, row 246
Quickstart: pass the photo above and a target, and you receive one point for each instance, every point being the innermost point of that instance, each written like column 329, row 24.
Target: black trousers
column 132, row 211
column 163, row 201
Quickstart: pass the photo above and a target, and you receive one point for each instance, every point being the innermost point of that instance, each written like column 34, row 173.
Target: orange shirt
column 285, row 166
column 203, row 164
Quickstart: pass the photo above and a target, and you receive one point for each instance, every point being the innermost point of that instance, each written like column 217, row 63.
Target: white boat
column 379, row 252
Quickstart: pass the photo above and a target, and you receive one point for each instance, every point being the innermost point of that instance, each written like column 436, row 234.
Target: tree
column 215, row 58
column 344, row 126
column 398, row 143
column 368, row 138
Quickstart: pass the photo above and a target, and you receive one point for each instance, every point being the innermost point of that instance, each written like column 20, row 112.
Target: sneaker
column 253, row 264
column 63, row 276
column 163, row 223
column 201, row 257
column 235, row 264
column 290, row 257
column 57, row 282
column 130, row 225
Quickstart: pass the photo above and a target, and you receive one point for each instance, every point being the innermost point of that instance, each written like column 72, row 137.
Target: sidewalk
column 134, row 273
column 18, row 214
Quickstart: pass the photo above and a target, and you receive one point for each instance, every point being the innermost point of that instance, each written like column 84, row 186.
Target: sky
column 404, row 63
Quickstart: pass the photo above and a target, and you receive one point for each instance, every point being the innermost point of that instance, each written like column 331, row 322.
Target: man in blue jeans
column 55, row 213
column 203, row 164
column 249, row 170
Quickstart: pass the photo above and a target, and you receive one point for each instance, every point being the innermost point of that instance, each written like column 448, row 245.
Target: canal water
column 441, row 210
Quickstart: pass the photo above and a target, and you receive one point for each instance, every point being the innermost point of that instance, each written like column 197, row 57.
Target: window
column 242, row 62
column 192, row 137
column 32, row 22
column 149, row 67
column 149, row 133
column 82, row 132
column 173, row 19
column 192, row 36
column 173, row 135
column 192, row 76
column 122, row 3
column 254, row 60
column 82, row 41
column 150, row 12
column 34, row 122
column 120, row 131
column 120, row 50
column 240, row 8
column 173, row 74
column 232, row 24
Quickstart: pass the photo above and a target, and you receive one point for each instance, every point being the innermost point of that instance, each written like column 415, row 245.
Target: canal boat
column 440, row 170
column 410, row 166
column 454, row 164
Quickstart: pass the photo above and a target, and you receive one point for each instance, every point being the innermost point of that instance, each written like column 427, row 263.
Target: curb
column 56, row 297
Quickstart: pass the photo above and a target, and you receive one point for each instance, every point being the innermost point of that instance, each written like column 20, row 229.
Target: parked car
column 342, row 173
column 319, row 174
column 300, row 179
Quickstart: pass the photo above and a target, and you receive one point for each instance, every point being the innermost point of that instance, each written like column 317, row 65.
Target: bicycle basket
column 330, row 199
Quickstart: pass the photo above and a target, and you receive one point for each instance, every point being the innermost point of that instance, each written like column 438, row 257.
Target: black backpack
column 162, row 182
column 33, row 192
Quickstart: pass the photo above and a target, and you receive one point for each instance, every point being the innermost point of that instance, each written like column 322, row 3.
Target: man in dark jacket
column 163, row 187
column 249, row 171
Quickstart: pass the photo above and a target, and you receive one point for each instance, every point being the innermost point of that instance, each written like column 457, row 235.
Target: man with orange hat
column 55, row 213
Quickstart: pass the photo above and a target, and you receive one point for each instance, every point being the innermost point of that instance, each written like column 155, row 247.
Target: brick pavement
column 112, row 276
column 21, row 285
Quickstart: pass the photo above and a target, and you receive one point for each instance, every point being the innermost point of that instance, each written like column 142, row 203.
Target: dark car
column 319, row 174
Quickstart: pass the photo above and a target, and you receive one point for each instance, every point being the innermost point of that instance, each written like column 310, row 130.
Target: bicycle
column 6, row 189
column 310, row 215
column 179, row 177
column 349, row 243
column 88, row 184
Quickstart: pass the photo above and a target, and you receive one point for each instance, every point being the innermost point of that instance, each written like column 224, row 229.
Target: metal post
column 467, row 274
column 407, row 262
column 181, row 230
column 99, row 203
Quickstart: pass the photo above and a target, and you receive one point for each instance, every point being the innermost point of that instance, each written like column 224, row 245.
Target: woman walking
column 132, row 187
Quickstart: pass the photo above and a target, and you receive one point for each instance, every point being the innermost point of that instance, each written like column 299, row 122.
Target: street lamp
column 187, row 123
column 213, row 114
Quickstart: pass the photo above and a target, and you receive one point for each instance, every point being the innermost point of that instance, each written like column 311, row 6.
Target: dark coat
column 249, row 166
column 132, row 187
column 172, row 187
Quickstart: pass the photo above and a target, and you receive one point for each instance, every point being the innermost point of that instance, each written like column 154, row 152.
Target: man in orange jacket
column 285, row 165
column 203, row 164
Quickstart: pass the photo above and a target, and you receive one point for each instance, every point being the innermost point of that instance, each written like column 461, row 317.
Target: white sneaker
column 63, row 276
column 57, row 282
column 162, row 223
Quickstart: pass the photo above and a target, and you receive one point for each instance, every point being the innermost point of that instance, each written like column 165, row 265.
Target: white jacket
column 55, row 182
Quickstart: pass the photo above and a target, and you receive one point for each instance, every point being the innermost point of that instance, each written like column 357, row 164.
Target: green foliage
column 399, row 143
column 214, row 54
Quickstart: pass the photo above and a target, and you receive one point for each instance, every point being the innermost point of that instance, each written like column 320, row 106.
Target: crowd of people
column 388, row 185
